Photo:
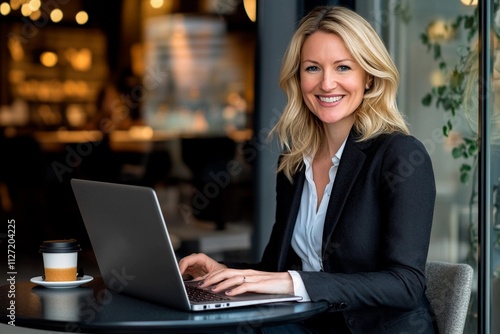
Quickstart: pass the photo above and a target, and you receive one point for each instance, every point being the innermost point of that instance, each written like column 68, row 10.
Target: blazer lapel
column 350, row 165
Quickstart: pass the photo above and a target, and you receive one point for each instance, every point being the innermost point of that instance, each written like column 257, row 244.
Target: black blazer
column 375, row 239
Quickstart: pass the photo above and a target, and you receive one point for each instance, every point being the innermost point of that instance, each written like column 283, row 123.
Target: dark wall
column 307, row 5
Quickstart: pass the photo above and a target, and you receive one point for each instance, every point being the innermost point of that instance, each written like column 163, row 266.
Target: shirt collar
column 338, row 155
column 335, row 159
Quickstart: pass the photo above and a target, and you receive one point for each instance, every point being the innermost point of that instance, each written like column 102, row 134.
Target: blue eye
column 312, row 68
column 343, row 68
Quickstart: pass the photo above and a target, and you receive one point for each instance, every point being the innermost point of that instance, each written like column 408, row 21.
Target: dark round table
column 91, row 308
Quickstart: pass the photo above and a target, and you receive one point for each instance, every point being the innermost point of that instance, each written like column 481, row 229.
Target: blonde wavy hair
column 299, row 130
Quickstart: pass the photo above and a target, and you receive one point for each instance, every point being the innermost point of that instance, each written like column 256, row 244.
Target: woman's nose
column 328, row 81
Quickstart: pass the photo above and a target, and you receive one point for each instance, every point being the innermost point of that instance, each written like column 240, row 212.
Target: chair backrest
column 448, row 290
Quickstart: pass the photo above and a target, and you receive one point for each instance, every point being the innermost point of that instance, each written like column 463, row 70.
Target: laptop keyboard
column 199, row 295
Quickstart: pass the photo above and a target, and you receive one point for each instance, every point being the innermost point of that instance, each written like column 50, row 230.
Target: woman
column 355, row 192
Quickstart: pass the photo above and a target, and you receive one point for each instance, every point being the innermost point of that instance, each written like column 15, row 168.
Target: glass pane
column 437, row 57
column 494, row 138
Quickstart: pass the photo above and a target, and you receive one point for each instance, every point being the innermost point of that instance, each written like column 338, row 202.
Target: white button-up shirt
column 307, row 240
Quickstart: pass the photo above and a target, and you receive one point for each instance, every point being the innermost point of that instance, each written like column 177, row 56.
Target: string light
column 35, row 15
column 32, row 9
column 26, row 10
column 81, row 17
column 15, row 4
column 35, row 5
column 156, row 3
column 4, row 8
column 56, row 15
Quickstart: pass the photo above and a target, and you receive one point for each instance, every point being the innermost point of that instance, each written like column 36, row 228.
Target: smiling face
column 332, row 82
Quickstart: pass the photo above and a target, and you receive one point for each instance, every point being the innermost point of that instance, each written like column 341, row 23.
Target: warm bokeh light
column 4, row 8
column 469, row 2
column 48, row 59
column 26, row 10
column 440, row 30
column 141, row 132
column 251, row 9
column 35, row 5
column 437, row 78
column 80, row 60
column 15, row 4
column 56, row 15
column 81, row 17
column 156, row 3
column 35, row 15
column 16, row 49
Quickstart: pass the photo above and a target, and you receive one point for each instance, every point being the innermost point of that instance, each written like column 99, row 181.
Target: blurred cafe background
column 154, row 93
column 179, row 95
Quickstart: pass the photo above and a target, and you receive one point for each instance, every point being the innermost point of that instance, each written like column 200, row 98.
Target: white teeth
column 330, row 99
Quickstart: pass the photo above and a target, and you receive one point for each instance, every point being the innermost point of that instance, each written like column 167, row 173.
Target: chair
column 448, row 290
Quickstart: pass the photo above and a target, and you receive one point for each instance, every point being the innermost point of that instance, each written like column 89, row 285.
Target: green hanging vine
column 458, row 96
column 450, row 95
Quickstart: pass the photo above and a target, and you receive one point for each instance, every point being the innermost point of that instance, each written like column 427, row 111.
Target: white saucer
column 62, row 285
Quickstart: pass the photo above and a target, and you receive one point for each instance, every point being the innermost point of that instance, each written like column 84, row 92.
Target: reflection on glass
column 194, row 77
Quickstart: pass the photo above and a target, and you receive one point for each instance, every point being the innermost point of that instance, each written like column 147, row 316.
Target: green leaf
column 464, row 178
column 439, row 102
column 447, row 104
column 437, row 51
column 465, row 168
column 457, row 152
column 456, row 79
column 457, row 22
column 424, row 38
column 469, row 22
column 472, row 149
column 427, row 100
column 441, row 90
column 445, row 131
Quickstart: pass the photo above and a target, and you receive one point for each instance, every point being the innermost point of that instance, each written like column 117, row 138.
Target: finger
column 229, row 283
column 245, row 286
column 221, row 274
column 185, row 263
column 194, row 271
column 213, row 278
column 192, row 261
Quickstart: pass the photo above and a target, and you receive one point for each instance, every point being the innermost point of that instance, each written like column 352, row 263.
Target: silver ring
column 244, row 279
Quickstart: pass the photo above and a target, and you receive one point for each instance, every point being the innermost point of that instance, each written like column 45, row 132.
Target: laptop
column 134, row 253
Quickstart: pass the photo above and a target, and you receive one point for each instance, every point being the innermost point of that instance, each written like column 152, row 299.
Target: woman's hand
column 234, row 282
column 199, row 265
column 217, row 277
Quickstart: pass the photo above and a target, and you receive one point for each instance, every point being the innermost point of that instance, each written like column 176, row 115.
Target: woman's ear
column 369, row 82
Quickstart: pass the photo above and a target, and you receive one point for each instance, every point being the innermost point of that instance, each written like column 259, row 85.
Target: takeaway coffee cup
column 60, row 259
